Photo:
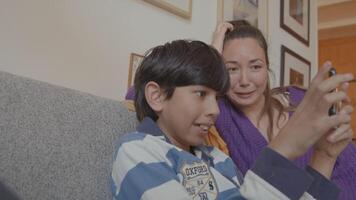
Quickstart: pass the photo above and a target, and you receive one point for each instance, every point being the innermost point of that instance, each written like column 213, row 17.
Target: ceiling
column 336, row 18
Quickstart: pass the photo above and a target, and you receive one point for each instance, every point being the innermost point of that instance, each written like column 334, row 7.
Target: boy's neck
column 171, row 139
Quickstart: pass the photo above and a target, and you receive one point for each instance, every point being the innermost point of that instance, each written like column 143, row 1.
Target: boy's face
column 188, row 114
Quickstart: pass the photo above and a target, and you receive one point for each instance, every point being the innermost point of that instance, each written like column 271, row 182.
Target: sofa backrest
column 57, row 143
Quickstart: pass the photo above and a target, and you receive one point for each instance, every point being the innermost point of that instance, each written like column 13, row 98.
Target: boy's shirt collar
column 149, row 126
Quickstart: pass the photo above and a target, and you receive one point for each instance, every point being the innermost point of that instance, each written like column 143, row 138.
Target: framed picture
column 295, row 18
column 253, row 11
column 181, row 8
column 135, row 60
column 295, row 70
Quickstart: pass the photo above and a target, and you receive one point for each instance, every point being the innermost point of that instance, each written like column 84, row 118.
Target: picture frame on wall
column 182, row 8
column 295, row 19
column 295, row 70
column 135, row 61
column 253, row 11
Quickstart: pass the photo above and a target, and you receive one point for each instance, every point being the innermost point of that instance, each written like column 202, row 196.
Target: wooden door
column 342, row 53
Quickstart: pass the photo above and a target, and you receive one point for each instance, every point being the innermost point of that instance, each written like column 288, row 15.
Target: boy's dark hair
column 175, row 64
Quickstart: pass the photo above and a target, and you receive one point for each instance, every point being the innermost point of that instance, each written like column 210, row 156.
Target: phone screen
column 334, row 108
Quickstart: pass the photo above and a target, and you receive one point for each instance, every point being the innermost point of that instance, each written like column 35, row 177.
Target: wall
column 337, row 19
column 278, row 36
column 85, row 44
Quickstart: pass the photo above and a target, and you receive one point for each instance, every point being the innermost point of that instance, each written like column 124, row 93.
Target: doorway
column 342, row 53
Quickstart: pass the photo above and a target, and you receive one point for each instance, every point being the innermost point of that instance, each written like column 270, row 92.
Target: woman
column 251, row 115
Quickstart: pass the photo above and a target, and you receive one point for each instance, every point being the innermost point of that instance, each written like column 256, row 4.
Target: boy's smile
column 187, row 116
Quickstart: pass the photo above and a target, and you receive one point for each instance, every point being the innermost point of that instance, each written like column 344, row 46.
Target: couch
column 57, row 143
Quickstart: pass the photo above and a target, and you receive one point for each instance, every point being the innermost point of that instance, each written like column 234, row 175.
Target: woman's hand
column 219, row 35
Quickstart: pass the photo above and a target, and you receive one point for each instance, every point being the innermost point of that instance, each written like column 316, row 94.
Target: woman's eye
column 256, row 67
column 232, row 69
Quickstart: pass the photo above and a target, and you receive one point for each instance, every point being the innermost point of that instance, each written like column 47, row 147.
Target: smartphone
column 334, row 108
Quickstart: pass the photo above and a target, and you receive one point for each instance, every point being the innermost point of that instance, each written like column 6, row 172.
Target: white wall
column 278, row 36
column 85, row 44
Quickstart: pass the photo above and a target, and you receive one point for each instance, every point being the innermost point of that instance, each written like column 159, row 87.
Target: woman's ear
column 154, row 96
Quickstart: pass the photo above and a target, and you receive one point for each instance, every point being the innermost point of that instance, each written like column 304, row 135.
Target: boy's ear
column 154, row 96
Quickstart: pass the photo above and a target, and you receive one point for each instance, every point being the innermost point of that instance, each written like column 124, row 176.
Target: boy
column 176, row 89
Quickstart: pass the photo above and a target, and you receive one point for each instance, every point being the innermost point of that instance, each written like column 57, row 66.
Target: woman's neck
column 261, row 120
column 253, row 112
column 258, row 119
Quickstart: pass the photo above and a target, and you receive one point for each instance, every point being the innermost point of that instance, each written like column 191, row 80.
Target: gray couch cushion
column 57, row 143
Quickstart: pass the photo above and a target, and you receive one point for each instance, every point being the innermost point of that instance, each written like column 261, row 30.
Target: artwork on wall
column 135, row 60
column 253, row 11
column 295, row 70
column 295, row 18
column 182, row 8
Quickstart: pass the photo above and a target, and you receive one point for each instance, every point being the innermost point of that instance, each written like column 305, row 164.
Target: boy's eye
column 201, row 93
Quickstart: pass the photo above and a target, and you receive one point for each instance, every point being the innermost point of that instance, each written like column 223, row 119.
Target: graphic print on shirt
column 198, row 181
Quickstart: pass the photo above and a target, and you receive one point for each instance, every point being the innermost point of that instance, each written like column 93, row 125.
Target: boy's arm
column 275, row 177
column 326, row 153
column 310, row 121
column 329, row 147
column 321, row 187
column 139, row 172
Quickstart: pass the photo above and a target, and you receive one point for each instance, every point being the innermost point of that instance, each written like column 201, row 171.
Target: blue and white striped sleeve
column 275, row 177
column 141, row 171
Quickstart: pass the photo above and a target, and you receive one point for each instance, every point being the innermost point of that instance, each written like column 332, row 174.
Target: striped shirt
column 147, row 166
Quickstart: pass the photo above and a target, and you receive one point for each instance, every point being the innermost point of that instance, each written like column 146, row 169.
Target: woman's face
column 246, row 62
